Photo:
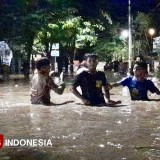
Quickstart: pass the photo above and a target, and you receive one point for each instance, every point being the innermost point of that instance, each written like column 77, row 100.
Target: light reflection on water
column 130, row 131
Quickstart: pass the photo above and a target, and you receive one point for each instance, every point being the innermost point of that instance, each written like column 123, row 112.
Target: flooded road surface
column 130, row 131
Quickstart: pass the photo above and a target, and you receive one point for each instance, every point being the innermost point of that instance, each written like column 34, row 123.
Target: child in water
column 42, row 83
column 137, row 84
column 91, row 82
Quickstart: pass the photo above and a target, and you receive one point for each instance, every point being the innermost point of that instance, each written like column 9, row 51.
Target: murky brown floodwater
column 130, row 131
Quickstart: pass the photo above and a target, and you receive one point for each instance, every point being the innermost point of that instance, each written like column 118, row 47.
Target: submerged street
column 41, row 40
column 129, row 131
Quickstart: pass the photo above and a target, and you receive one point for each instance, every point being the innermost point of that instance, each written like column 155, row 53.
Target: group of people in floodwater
column 117, row 66
column 122, row 67
column 91, row 82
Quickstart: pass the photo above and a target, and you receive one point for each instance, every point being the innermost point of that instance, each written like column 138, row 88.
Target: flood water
column 130, row 131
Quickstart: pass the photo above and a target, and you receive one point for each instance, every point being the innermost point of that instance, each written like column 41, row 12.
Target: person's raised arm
column 115, row 84
column 57, row 88
column 157, row 91
column 107, row 93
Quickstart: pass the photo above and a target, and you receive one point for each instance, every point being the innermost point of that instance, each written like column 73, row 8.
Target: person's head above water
column 140, row 70
column 43, row 65
column 92, row 61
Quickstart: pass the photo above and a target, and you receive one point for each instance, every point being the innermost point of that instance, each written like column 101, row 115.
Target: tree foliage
column 142, row 24
column 93, row 24
column 72, row 33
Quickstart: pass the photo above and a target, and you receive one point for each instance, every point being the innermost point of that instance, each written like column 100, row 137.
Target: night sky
column 119, row 8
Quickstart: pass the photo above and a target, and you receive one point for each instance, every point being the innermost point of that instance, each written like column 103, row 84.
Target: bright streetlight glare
column 151, row 31
column 124, row 34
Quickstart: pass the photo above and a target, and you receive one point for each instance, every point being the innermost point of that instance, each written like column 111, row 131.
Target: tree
column 71, row 33
column 142, row 24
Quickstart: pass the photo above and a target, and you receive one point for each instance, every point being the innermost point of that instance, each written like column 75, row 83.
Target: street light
column 151, row 32
column 124, row 38
column 124, row 34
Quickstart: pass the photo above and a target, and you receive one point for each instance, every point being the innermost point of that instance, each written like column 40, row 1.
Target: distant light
column 124, row 34
column 151, row 31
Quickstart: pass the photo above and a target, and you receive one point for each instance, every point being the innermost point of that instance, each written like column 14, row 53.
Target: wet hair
column 142, row 65
column 92, row 55
column 85, row 56
column 44, row 61
column 139, row 56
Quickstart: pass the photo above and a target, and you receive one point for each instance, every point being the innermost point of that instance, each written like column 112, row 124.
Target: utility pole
column 129, row 35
